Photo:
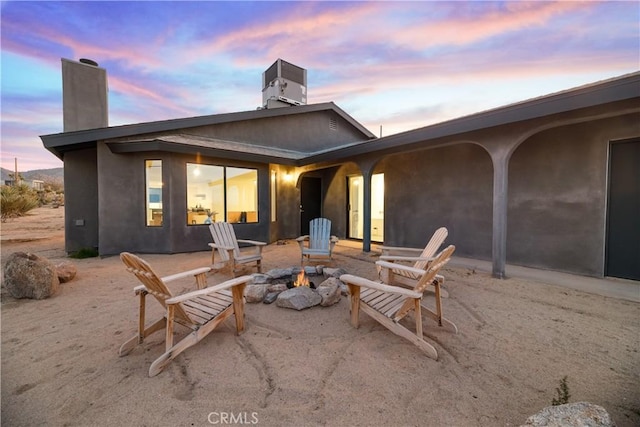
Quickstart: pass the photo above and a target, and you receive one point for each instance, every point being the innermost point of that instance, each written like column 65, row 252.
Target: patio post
column 366, row 232
column 500, row 188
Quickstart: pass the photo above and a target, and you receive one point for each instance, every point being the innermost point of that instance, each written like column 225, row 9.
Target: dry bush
column 17, row 201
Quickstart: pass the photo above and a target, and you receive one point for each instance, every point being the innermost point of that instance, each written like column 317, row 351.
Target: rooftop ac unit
column 285, row 82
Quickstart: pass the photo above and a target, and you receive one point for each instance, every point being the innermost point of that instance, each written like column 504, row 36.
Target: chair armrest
column 182, row 275
column 251, row 242
column 303, row 238
column 404, row 258
column 226, row 248
column 387, row 249
column 394, row 266
column 206, row 291
column 361, row 281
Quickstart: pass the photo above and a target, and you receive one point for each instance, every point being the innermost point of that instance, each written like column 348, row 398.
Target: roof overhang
column 59, row 143
column 611, row 91
column 130, row 138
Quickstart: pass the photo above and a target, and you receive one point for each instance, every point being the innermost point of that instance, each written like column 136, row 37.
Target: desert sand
column 517, row 339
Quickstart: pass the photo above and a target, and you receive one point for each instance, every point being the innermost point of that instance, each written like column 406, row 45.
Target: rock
column 270, row 297
column 27, row 275
column 255, row 293
column 344, row 289
column 310, row 270
column 333, row 272
column 571, row 415
column 279, row 273
column 66, row 271
column 260, row 279
column 277, row 288
column 298, row 298
column 329, row 291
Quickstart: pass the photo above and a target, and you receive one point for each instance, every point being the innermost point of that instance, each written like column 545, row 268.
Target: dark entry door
column 623, row 231
column 310, row 202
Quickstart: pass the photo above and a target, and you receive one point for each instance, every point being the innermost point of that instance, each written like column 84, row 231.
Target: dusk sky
column 399, row 65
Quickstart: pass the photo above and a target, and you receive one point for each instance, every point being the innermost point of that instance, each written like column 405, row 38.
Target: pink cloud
column 461, row 30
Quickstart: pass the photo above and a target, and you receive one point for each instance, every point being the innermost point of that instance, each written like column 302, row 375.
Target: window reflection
column 217, row 193
column 153, row 196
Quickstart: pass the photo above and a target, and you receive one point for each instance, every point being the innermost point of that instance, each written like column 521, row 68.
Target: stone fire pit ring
column 275, row 285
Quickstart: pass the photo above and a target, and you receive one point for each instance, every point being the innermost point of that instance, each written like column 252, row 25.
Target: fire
column 301, row 280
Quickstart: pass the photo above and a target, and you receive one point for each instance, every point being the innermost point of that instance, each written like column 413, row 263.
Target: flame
column 301, row 280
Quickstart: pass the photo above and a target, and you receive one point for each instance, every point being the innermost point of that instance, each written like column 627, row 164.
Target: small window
column 153, row 197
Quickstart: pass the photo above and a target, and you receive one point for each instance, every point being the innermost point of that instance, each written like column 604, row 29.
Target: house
column 552, row 182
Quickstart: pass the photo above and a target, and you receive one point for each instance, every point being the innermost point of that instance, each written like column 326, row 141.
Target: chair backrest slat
column 223, row 234
column 152, row 282
column 319, row 233
column 432, row 247
column 440, row 260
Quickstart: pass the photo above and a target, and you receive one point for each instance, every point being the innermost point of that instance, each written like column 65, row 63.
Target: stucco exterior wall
column 558, row 196
column 301, row 132
column 334, row 206
column 81, row 205
column 448, row 186
column 122, row 205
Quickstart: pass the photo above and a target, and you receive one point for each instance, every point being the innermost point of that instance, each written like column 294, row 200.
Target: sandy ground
column 516, row 341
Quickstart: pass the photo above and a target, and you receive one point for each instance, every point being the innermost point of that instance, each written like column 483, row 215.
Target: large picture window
column 217, row 193
column 153, row 196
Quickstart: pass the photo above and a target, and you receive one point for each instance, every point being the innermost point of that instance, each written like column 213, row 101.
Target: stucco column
column 500, row 188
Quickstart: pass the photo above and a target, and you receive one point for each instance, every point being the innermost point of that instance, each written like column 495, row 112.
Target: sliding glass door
column 356, row 207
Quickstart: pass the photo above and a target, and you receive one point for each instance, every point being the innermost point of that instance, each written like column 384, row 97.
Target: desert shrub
column 84, row 253
column 563, row 393
column 17, row 200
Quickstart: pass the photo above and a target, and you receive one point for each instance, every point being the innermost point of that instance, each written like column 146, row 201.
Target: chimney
column 84, row 95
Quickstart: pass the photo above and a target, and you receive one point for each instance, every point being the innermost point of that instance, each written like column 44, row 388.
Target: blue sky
column 399, row 65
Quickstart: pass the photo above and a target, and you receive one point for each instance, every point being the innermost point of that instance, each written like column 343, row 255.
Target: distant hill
column 54, row 176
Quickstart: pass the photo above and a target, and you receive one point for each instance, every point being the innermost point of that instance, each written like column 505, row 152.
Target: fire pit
column 300, row 279
column 297, row 287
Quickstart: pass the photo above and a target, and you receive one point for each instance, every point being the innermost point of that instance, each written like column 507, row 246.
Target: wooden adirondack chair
column 201, row 310
column 388, row 304
column 225, row 242
column 404, row 256
column 319, row 241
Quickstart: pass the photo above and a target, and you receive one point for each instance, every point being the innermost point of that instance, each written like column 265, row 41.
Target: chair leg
column 193, row 338
column 138, row 338
column 418, row 315
column 354, row 292
column 201, row 281
column 141, row 311
column 171, row 353
column 238, row 306
column 169, row 331
column 401, row 331
column 436, row 284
